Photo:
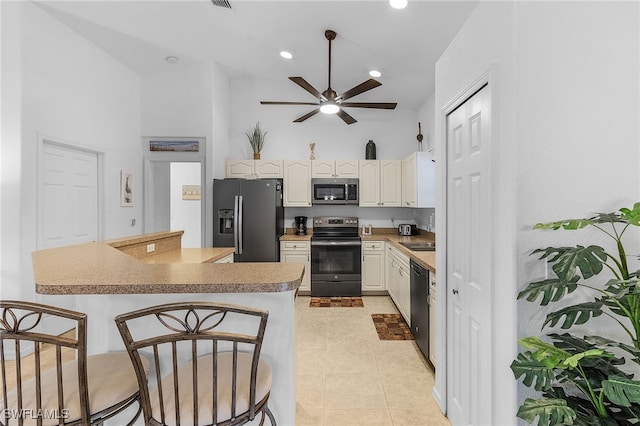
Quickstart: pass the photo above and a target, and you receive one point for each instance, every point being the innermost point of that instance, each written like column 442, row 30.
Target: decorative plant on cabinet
column 589, row 380
column 256, row 139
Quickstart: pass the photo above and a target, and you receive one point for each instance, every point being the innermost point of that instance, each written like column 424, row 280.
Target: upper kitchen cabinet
column 334, row 168
column 254, row 169
column 380, row 183
column 297, row 183
column 418, row 181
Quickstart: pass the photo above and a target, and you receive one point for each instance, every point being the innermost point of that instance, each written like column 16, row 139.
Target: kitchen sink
column 420, row 246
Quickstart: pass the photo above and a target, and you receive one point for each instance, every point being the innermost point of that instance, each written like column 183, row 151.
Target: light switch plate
column 151, row 248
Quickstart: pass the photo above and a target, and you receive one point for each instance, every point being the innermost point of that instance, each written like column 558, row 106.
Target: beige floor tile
column 353, row 391
column 356, row 417
column 407, row 389
column 305, row 417
column 419, row 416
column 358, row 359
column 310, row 391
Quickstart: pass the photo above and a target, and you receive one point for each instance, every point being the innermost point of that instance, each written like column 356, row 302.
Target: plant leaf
column 574, row 314
column 546, row 353
column 525, row 365
column 622, row 391
column 574, row 360
column 550, row 412
column 632, row 216
column 589, row 260
column 603, row 341
column 568, row 224
column 553, row 289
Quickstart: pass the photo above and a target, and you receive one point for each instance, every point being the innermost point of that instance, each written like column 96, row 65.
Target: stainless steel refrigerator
column 249, row 216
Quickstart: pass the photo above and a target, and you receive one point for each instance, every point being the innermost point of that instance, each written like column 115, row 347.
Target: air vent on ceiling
column 222, row 3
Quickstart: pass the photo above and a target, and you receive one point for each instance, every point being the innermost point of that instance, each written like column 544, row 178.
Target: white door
column 67, row 197
column 469, row 366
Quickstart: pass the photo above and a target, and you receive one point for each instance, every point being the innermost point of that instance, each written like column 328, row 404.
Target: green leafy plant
column 580, row 379
column 256, row 138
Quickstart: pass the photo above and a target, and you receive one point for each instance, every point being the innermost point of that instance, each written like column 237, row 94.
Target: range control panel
column 335, row 222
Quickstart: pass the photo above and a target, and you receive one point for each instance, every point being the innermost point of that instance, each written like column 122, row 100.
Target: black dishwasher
column 420, row 306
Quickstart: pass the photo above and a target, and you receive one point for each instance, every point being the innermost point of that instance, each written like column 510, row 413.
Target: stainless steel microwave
column 334, row 191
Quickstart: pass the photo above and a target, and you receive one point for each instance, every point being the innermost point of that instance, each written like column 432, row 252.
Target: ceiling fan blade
column 379, row 105
column 346, row 117
column 306, row 86
column 307, row 115
column 360, row 88
column 287, row 103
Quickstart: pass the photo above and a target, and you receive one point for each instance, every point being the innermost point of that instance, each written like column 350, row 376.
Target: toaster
column 407, row 229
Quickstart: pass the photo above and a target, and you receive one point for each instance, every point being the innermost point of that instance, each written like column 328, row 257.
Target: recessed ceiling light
column 171, row 60
column 398, row 4
column 375, row 73
column 286, row 54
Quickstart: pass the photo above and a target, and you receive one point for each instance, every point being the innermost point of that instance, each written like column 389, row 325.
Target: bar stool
column 206, row 363
column 48, row 379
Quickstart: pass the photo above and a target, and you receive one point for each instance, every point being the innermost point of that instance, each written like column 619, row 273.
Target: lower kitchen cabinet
column 432, row 317
column 298, row 252
column 399, row 281
column 373, row 277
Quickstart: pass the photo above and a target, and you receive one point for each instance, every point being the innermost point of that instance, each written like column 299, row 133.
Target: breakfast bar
column 112, row 277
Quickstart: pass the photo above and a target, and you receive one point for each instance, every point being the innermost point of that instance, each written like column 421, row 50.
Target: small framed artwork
column 174, row 145
column 191, row 192
column 126, row 189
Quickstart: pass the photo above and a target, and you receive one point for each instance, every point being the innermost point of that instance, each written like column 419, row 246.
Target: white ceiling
column 246, row 40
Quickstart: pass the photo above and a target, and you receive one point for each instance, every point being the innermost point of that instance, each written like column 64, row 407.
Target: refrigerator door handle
column 240, row 224
column 235, row 224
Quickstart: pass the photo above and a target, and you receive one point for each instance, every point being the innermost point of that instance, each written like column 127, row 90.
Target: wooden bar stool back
column 206, row 367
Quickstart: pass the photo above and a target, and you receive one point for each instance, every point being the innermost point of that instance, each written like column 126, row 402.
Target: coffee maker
column 301, row 225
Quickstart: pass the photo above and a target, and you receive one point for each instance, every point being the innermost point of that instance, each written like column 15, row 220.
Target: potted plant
column 256, row 139
column 588, row 380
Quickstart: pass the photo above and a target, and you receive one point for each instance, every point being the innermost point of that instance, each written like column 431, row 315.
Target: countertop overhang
column 100, row 268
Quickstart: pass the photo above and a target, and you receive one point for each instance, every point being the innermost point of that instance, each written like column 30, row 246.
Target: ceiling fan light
column 329, row 108
column 286, row 55
column 398, row 4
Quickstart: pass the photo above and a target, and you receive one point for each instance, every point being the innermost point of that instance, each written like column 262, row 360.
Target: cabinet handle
column 308, row 257
column 454, row 291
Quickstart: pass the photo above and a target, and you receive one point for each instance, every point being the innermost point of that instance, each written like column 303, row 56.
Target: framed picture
column 174, row 145
column 126, row 189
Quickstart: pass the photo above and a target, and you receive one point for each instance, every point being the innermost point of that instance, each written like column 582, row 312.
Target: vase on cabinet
column 256, row 155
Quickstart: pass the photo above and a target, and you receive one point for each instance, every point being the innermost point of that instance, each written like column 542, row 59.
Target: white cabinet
column 247, row 169
column 298, row 252
column 418, row 181
column 297, row 183
column 432, row 318
column 334, row 168
column 398, row 281
column 380, row 183
column 227, row 259
column 373, row 262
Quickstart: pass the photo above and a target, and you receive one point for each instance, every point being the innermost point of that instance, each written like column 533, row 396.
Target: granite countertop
column 190, row 255
column 99, row 268
column 424, row 258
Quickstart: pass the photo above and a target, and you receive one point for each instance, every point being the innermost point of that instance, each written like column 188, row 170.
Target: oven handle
column 335, row 243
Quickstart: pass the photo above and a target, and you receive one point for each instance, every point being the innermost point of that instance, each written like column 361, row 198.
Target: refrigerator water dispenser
column 225, row 216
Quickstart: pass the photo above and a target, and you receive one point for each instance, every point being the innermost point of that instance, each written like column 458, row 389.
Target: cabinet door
column 269, row 169
column 346, row 169
column 297, row 183
column 303, row 258
column 369, row 190
column 239, row 168
column 391, row 273
column 409, row 189
column 390, row 183
column 404, row 292
column 323, row 169
column 226, row 259
column 373, row 270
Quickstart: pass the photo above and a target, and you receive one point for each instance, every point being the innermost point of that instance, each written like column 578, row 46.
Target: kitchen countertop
column 190, row 255
column 100, row 268
column 424, row 258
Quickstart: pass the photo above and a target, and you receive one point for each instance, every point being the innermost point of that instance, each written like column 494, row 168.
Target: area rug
column 391, row 327
column 336, row 302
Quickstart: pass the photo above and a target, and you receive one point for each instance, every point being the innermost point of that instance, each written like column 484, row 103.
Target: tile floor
column 347, row 376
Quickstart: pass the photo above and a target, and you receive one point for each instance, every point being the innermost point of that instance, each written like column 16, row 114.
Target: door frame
column 62, row 143
column 486, row 78
column 150, row 157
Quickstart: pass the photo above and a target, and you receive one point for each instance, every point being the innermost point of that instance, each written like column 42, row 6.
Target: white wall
column 68, row 90
column 565, row 138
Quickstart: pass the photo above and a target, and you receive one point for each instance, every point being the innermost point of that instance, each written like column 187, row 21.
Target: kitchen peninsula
column 116, row 276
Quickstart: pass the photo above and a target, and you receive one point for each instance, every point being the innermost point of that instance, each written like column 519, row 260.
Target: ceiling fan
column 329, row 102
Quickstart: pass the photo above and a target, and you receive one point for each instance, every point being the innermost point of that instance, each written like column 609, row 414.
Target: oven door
column 336, row 268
